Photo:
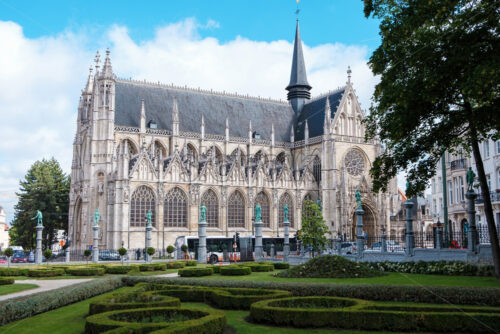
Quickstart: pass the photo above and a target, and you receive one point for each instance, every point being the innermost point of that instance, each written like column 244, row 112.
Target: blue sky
column 235, row 46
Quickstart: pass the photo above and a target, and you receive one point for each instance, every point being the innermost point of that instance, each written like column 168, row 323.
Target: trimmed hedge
column 175, row 264
column 216, row 269
column 258, row 267
column 29, row 305
column 349, row 313
column 191, row 263
column 235, row 270
column 394, row 293
column 118, row 269
column 82, row 271
column 13, row 271
column 45, row 272
column 281, row 265
column 195, row 272
column 136, row 321
column 6, row 280
column 152, row 267
column 434, row 267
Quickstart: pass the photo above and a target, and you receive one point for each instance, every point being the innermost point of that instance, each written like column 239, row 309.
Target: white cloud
column 41, row 79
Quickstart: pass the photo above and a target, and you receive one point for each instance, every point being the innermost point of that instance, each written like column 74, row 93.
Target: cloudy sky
column 238, row 46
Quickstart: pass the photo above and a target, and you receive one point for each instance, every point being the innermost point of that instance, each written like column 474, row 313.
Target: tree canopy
column 46, row 188
column 314, row 229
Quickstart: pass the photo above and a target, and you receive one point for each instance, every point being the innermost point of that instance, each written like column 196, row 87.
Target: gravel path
column 43, row 285
column 167, row 275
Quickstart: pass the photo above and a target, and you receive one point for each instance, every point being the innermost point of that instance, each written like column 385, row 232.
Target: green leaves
column 314, row 229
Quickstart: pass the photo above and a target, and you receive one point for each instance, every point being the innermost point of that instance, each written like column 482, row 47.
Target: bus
column 220, row 248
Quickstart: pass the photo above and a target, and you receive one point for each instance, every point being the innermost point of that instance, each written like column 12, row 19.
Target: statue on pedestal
column 97, row 216
column 203, row 213
column 358, row 199
column 470, row 179
column 39, row 218
column 258, row 215
column 285, row 210
column 149, row 215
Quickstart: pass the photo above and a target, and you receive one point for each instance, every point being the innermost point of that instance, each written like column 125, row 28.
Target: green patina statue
column 39, row 218
column 285, row 211
column 258, row 217
column 97, row 216
column 149, row 216
column 203, row 213
column 318, row 203
column 358, row 199
column 470, row 178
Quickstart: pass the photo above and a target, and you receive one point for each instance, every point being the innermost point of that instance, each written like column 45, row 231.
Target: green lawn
column 11, row 288
column 132, row 273
column 392, row 279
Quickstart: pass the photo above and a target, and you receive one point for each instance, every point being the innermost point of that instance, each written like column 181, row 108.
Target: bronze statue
column 97, row 215
column 203, row 215
column 358, row 199
column 470, row 178
column 39, row 218
column 149, row 215
column 258, row 217
column 285, row 211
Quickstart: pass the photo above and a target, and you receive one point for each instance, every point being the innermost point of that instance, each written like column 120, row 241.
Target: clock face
column 354, row 162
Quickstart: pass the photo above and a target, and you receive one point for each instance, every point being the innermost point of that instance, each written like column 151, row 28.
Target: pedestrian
column 138, row 254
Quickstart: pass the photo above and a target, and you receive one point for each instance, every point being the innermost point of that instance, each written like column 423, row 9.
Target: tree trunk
column 488, row 210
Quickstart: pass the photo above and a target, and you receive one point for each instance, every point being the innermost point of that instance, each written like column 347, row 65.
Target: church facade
column 143, row 146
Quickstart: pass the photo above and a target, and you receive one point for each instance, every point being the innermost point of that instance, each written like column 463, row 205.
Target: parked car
column 392, row 246
column 19, row 258
column 106, row 255
column 348, row 248
column 3, row 259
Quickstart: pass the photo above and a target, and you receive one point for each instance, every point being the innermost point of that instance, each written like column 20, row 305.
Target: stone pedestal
column 66, row 255
column 38, row 252
column 286, row 241
column 95, row 246
column 202, row 245
column 258, row 239
column 272, row 251
column 360, row 236
column 383, row 248
column 439, row 237
column 410, row 237
column 472, row 236
column 149, row 228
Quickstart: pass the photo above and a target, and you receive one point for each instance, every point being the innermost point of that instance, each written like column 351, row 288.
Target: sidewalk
column 43, row 285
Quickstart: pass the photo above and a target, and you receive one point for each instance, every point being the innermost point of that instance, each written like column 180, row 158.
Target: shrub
column 13, row 271
column 27, row 306
column 192, row 263
column 6, row 280
column 281, row 265
column 45, row 272
column 235, row 270
column 257, row 267
column 170, row 250
column 392, row 293
column 434, row 267
column 84, row 271
column 195, row 272
column 159, row 320
column 330, row 266
column 359, row 314
column 152, row 267
column 175, row 264
column 118, row 269
column 215, row 269
column 48, row 254
column 150, row 251
column 241, row 298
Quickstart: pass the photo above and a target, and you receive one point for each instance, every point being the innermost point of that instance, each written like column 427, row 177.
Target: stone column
column 383, row 249
column 438, row 236
column 286, row 242
column 149, row 229
column 202, row 245
column 66, row 255
column 258, row 239
column 360, row 236
column 38, row 253
column 471, row 211
column 95, row 247
column 410, row 238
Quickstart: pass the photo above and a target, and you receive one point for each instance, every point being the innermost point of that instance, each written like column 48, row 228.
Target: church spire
column 326, row 125
column 90, row 83
column 298, row 88
column 107, row 69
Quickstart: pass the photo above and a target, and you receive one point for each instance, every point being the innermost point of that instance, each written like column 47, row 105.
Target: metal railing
column 494, row 196
column 458, row 164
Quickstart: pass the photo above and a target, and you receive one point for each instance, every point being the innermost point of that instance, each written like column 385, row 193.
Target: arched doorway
column 369, row 225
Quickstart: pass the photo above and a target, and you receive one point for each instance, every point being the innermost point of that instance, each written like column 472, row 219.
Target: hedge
column 281, row 265
column 132, row 299
column 393, row 293
column 191, row 263
column 216, row 269
column 27, row 306
column 152, row 267
column 136, row 321
column 82, row 271
column 175, row 265
column 195, row 272
column 45, row 272
column 6, row 280
column 13, row 271
column 235, row 270
column 349, row 313
column 258, row 267
column 434, row 267
column 118, row 269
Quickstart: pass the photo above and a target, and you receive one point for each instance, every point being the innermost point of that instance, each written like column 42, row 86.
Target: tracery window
column 281, row 158
column 143, row 200
column 263, row 201
column 236, row 210
column 317, row 169
column 175, row 209
column 286, row 199
column 354, row 162
column 209, row 199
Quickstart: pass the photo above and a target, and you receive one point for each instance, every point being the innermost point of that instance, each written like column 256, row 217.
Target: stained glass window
column 175, row 209
column 354, row 162
column 143, row 200
column 236, row 210
column 209, row 199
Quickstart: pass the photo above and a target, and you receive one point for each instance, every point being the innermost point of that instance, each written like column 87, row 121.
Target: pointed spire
column 326, row 125
column 97, row 60
column 175, row 118
column 272, row 134
column 202, row 126
column 306, row 132
column 107, row 69
column 250, row 132
column 143, row 116
column 227, row 129
column 90, row 83
column 349, row 75
column 292, row 136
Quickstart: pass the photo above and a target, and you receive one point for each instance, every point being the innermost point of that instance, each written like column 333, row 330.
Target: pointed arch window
column 236, row 210
column 317, row 169
column 143, row 200
column 286, row 199
column 175, row 209
column 212, row 203
column 263, row 201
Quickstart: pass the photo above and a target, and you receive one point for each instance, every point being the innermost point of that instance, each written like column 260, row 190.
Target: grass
column 391, row 279
column 11, row 288
column 132, row 273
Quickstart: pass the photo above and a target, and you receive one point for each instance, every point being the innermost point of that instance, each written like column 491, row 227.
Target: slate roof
column 192, row 104
column 314, row 112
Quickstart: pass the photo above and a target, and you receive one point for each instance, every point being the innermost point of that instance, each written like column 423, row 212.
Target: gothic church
column 143, row 146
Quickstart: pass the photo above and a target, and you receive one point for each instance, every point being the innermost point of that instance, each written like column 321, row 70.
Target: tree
column 46, row 188
column 48, row 254
column 86, row 254
column 150, row 251
column 439, row 89
column 170, row 250
column 122, row 251
column 314, row 230
column 8, row 252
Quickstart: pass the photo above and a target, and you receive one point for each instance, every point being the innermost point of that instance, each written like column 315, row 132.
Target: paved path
column 167, row 275
column 44, row 285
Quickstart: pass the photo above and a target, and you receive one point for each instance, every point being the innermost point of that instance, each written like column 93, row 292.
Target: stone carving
column 223, row 194
column 275, row 197
column 100, row 188
column 126, row 192
column 194, row 192
column 251, row 197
